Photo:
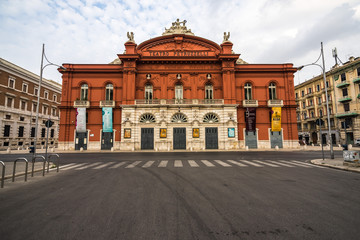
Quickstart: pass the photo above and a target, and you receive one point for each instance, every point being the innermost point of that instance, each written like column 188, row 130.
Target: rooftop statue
column 131, row 37
column 177, row 28
column 226, row 37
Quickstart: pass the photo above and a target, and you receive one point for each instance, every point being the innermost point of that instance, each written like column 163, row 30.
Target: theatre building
column 178, row 91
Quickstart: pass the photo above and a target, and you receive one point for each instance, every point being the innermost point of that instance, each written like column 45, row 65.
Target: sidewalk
column 337, row 163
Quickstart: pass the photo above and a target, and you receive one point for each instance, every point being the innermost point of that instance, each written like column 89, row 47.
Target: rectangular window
column 32, row 133
column 343, row 77
column 54, row 97
column 302, row 93
column 327, row 84
column 303, row 104
column 8, row 116
column 318, row 88
column 54, row 111
column 23, row 105
column 346, row 107
column 43, row 130
column 7, row 130
column 36, row 91
column 358, row 71
column 296, row 95
column 11, row 82
column 34, row 107
column 45, row 110
column 311, row 102
column 309, row 90
column 22, row 119
column 319, row 100
column 9, row 102
column 21, row 131
column 345, row 92
column 46, row 94
column 25, row 87
column 52, row 133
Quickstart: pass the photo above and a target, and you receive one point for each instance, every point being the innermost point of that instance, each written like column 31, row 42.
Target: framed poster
column 127, row 133
column 196, row 132
column 163, row 133
column 231, row 132
column 107, row 119
column 276, row 119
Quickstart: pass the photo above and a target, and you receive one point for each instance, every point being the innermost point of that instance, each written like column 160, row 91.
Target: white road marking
column 103, row 165
column 224, row 164
column 163, row 163
column 207, row 163
column 266, row 163
column 282, row 164
column 308, row 164
column 297, row 164
column 74, row 166
column 251, row 163
column 237, row 163
column 88, row 166
column 67, row 165
column 148, row 164
column 192, row 163
column 178, row 163
column 117, row 165
column 133, row 164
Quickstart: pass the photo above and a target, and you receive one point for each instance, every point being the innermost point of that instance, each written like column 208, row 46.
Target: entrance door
column 211, row 138
column 250, row 139
column 107, row 140
column 276, row 139
column 147, row 138
column 81, row 140
column 314, row 137
column 179, row 138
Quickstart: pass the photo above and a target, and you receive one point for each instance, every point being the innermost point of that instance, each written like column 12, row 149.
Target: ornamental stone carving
column 177, row 28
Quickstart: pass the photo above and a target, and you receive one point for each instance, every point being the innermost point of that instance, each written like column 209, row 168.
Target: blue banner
column 107, row 119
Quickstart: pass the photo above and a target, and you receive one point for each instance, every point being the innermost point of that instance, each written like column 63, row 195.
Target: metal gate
column 81, row 140
column 276, row 139
column 179, row 137
column 106, row 140
column 211, row 138
column 250, row 139
column 147, row 138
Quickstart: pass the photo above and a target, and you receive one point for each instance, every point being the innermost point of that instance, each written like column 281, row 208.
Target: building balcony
column 343, row 84
column 250, row 103
column 310, row 107
column 107, row 103
column 347, row 114
column 179, row 101
column 309, row 95
column 345, row 99
column 275, row 103
column 356, row 80
column 81, row 103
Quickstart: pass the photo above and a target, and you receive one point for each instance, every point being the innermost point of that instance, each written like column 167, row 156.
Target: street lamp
column 326, row 95
column 38, row 96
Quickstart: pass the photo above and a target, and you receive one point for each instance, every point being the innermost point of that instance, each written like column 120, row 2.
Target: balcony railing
column 107, row 103
column 180, row 101
column 250, row 103
column 310, row 94
column 81, row 103
column 343, row 84
column 275, row 103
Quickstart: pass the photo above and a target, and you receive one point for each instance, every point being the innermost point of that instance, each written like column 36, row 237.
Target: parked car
column 357, row 142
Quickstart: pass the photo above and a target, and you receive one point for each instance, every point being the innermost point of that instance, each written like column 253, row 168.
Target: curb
column 314, row 161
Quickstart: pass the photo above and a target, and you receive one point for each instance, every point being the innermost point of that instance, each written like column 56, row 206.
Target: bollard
column 33, row 163
column 57, row 162
column 3, row 174
column 26, row 168
column 276, row 148
column 247, row 148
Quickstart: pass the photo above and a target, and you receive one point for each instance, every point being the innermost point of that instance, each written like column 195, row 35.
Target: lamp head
column 301, row 67
column 63, row 68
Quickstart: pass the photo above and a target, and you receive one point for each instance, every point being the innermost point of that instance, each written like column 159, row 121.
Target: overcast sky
column 262, row 31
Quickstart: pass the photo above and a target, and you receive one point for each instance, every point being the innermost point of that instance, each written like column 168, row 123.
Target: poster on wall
column 196, row 132
column 276, row 119
column 163, row 133
column 231, row 132
column 127, row 133
column 250, row 119
column 107, row 119
column 81, row 120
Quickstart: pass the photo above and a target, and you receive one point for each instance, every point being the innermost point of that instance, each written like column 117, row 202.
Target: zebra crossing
column 189, row 164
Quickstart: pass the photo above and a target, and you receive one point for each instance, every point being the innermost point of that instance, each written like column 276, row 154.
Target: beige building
column 18, row 100
column 344, row 107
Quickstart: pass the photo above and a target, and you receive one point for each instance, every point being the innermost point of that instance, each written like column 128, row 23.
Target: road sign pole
column 322, row 147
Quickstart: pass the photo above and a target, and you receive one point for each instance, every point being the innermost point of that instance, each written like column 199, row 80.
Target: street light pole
column 326, row 95
column 42, row 67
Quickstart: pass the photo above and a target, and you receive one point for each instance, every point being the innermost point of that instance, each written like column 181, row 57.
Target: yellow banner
column 276, row 119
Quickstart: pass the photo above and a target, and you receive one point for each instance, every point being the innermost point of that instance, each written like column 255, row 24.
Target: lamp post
column 39, row 90
column 326, row 95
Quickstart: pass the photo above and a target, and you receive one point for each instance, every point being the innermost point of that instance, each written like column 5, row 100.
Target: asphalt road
column 179, row 201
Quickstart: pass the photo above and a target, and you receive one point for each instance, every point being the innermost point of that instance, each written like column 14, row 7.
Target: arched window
column 147, row 118
column 210, row 118
column 178, row 91
column 247, row 89
column 179, row 117
column 272, row 91
column 209, row 91
column 84, row 92
column 148, row 92
column 109, row 92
